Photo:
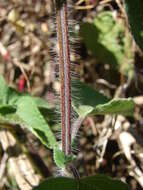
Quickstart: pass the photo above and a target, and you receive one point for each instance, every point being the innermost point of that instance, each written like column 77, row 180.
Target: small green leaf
column 27, row 110
column 134, row 10
column 59, row 158
column 116, row 106
column 86, row 98
column 91, row 102
column 98, row 182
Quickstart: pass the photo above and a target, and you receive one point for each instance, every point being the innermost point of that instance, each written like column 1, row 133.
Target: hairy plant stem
column 64, row 70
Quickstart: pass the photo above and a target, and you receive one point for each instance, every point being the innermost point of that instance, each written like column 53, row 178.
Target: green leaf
column 91, row 102
column 116, row 106
column 98, row 182
column 86, row 98
column 42, row 104
column 107, row 39
column 14, row 96
column 59, row 158
column 11, row 96
column 134, row 10
column 27, row 110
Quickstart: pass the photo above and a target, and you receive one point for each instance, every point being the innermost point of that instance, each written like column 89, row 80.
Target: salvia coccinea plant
column 14, row 110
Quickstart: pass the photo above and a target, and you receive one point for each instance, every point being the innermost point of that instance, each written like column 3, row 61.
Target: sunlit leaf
column 116, row 106
column 91, row 102
column 27, row 110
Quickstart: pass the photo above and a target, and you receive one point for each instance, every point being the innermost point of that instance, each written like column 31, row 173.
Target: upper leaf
column 86, row 98
column 91, row 102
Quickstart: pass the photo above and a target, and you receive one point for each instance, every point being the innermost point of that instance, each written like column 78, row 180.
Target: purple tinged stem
column 65, row 74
